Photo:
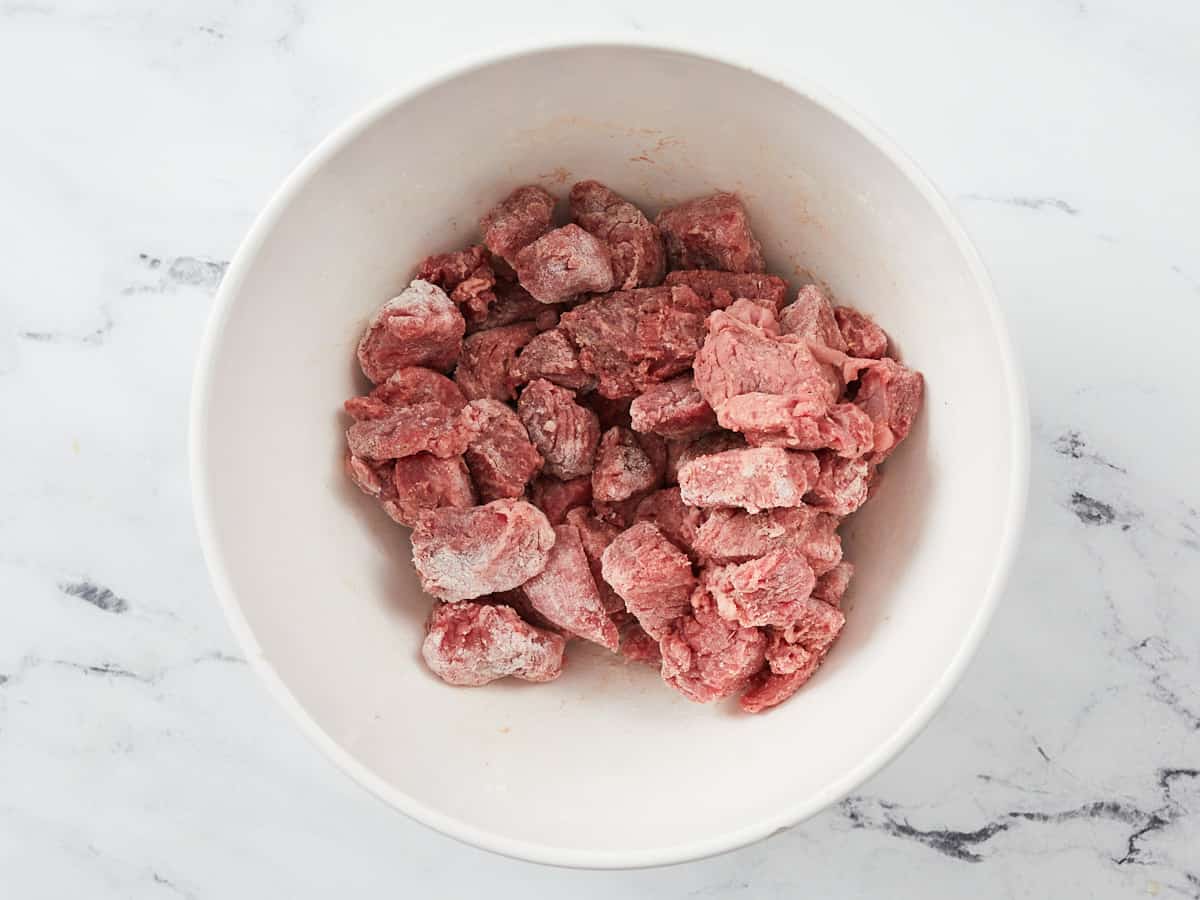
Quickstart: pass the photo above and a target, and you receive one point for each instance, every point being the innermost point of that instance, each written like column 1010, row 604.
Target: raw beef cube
column 682, row 453
column 743, row 358
column 736, row 536
column 637, row 646
column 863, row 337
column 891, row 395
column 565, row 592
column 423, row 481
column 773, row 420
column 768, row 689
column 831, row 586
column 622, row 467
column 595, row 534
column 513, row 304
column 564, row 432
column 465, row 553
column 705, row 657
column 750, row 313
column 552, row 356
column 466, row 276
column 720, row 289
column 425, row 427
column 847, row 432
column 485, row 367
column 420, row 327
column 564, row 263
column 673, row 409
column 810, row 316
column 753, row 479
column 632, row 339
column 501, row 457
column 639, row 258
column 611, row 413
column 666, row 510
column 815, row 627
column 372, row 478
column 841, row 486
column 821, row 544
column 471, row 644
column 556, row 498
column 406, row 387
column 517, row 221
column 651, row 575
column 784, row 658
column 769, row 590
column 710, row 233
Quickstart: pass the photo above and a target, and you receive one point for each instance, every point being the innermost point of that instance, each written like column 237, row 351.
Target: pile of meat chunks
column 621, row 431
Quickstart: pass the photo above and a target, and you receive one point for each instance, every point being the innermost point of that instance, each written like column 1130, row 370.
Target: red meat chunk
column 678, row 522
column 768, row 689
column 863, row 337
column 632, row 339
column 513, row 304
column 673, row 409
column 744, row 358
column 772, row 420
column 423, row 482
column 372, row 478
column 815, row 627
column 637, row 646
column 891, row 395
column 566, row 594
column 639, row 258
column 720, row 289
column 465, row 553
column 556, row 498
column 810, row 316
column 680, row 453
column 651, row 575
column 466, row 276
column 552, row 356
column 407, row 430
column 564, row 432
column 710, row 233
column 753, row 479
column 517, row 221
column 406, row 387
column 564, row 263
column 831, row 586
column 420, row 327
column 769, row 590
column 595, row 535
column 471, row 644
column 706, row 657
column 842, row 485
column 736, row 536
column 488, row 357
column 622, row 467
column 501, row 457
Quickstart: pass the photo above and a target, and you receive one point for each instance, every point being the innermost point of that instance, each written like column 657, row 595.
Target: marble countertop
column 139, row 756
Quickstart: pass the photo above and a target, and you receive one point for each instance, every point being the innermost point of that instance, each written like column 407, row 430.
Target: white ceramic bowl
column 605, row 767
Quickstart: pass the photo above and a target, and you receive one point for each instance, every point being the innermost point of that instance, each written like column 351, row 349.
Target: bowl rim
column 790, row 814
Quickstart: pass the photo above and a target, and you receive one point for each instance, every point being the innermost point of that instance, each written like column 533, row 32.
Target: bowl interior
column 606, row 766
